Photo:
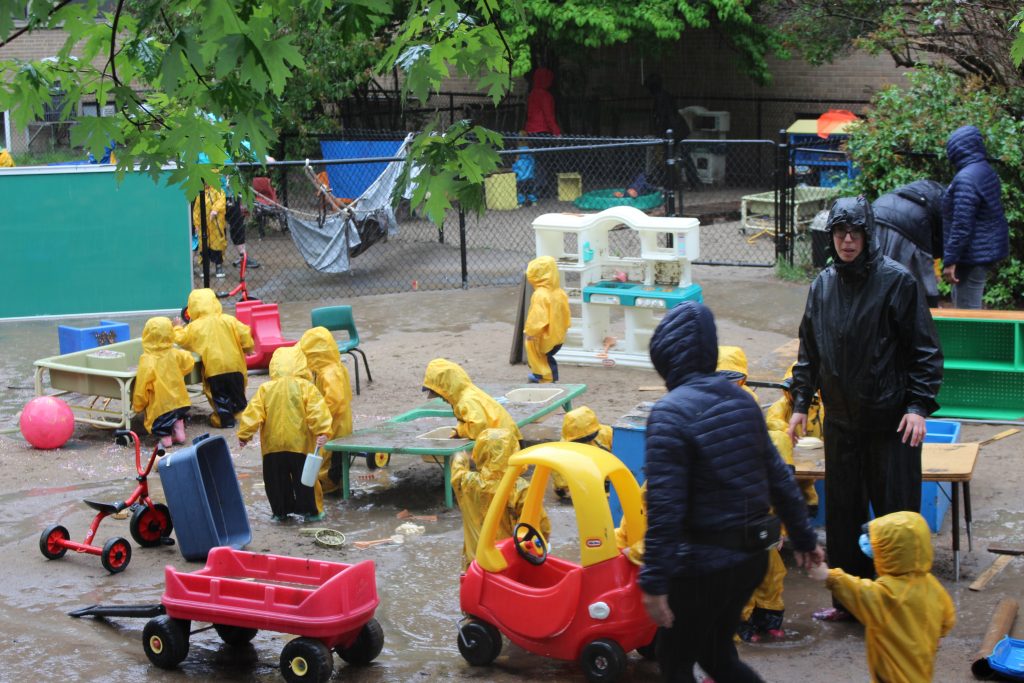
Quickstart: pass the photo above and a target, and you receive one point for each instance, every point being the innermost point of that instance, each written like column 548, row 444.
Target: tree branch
column 29, row 27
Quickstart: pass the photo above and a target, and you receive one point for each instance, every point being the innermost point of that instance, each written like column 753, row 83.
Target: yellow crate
column 500, row 191
column 570, row 186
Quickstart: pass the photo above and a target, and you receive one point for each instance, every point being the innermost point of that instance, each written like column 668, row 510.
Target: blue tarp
column 351, row 180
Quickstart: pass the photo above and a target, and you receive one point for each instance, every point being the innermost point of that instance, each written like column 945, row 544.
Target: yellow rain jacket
column 636, row 551
column 906, row 610
column 777, row 417
column 733, row 358
column 160, row 380
column 475, row 490
column 331, row 379
column 474, row 408
column 577, row 425
column 217, row 201
column 6, row 160
column 548, row 317
column 288, row 411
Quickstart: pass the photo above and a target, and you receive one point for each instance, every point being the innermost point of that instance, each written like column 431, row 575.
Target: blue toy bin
column 71, row 339
column 204, row 498
column 1007, row 658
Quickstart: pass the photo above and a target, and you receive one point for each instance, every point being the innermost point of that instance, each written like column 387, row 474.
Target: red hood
column 543, row 78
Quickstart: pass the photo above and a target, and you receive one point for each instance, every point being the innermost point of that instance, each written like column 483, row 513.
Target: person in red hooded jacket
column 540, row 105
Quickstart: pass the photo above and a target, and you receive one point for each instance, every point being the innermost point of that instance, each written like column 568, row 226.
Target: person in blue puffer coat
column 712, row 475
column 974, row 228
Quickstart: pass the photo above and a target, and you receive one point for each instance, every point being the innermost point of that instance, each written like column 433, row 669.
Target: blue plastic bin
column 73, row 339
column 204, row 498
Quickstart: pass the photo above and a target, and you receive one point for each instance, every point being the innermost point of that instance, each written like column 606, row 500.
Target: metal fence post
column 783, row 208
column 204, row 242
column 462, row 247
column 673, row 195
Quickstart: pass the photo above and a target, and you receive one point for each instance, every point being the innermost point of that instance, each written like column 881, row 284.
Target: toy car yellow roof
column 585, row 468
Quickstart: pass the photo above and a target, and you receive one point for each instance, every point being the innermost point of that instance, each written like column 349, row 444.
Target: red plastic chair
column 266, row 333
column 243, row 310
column 261, row 184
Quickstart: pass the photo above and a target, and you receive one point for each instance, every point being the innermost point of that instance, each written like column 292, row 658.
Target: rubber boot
column 769, row 622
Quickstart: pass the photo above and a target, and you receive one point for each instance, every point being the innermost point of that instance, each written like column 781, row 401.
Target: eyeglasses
column 849, row 231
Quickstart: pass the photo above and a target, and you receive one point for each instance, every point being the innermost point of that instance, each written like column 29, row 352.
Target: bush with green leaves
column 904, row 136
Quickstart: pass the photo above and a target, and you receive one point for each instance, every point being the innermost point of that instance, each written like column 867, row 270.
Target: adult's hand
column 949, row 275
column 810, row 559
column 913, row 428
column 799, row 420
column 658, row 610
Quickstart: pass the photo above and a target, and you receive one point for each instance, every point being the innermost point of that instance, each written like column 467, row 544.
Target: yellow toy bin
column 570, row 186
column 500, row 192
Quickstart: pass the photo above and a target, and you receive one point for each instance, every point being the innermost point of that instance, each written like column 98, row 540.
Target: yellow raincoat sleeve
column 778, row 414
column 142, row 393
column 254, row 415
column 472, row 420
column 243, row 333
column 318, row 418
column 337, row 391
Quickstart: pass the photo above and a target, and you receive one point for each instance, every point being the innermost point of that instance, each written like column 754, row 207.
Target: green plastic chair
column 339, row 318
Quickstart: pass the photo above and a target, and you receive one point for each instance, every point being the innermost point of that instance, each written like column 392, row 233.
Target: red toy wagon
column 328, row 604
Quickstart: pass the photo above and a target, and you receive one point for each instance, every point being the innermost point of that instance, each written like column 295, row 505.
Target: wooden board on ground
column 993, row 571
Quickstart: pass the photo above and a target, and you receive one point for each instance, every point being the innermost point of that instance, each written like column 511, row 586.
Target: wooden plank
column 992, row 572
column 525, row 291
column 997, row 437
column 963, row 313
column 1006, row 549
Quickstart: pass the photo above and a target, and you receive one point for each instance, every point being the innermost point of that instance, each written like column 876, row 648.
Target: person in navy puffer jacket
column 974, row 226
column 712, row 475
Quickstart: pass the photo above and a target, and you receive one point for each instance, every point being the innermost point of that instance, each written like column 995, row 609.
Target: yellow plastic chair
column 337, row 318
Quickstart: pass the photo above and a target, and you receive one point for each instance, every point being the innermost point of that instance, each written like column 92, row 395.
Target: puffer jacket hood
column 491, row 452
column 157, row 335
column 580, row 424
column 203, row 302
column 289, row 361
column 902, row 544
column 447, row 379
column 320, row 349
column 964, row 146
column 856, row 212
column 915, row 211
column 543, row 78
column 543, row 272
column 685, row 343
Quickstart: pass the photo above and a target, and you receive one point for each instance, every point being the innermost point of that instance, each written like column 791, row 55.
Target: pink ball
column 47, row 422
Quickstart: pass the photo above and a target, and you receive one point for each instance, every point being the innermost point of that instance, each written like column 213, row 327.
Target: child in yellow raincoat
column 331, row 378
column 6, row 161
column 221, row 342
column 777, row 417
column 580, row 425
column 474, row 408
column 547, row 319
column 905, row 611
column 732, row 362
column 216, row 212
column 292, row 418
column 474, row 484
column 160, row 383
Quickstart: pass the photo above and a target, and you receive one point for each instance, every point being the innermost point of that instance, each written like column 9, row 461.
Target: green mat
column 599, row 200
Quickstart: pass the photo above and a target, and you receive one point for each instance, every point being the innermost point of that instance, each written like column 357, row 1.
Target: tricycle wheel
column 50, row 542
column 479, row 643
column 367, row 645
column 236, row 636
column 306, row 659
column 603, row 660
column 117, row 553
column 165, row 641
column 149, row 525
column 377, row 460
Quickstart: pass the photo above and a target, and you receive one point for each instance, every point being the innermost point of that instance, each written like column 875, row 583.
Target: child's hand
column 178, row 322
column 242, row 444
column 818, row 572
column 321, row 440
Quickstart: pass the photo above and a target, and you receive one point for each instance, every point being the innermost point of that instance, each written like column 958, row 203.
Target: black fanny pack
column 758, row 534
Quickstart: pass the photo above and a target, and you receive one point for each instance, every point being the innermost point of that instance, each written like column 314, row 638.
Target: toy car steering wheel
column 529, row 543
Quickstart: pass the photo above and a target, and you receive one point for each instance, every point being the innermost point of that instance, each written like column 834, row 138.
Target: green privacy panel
column 75, row 241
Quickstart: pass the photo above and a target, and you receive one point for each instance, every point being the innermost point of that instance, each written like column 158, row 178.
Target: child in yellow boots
column 331, row 379
column 547, row 319
column 160, row 383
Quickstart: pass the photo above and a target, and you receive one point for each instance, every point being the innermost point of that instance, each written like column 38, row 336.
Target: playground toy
column 71, row 339
column 241, row 288
column 46, row 422
column 329, row 605
column 586, row 248
column 150, row 524
column 590, row 612
column 264, row 320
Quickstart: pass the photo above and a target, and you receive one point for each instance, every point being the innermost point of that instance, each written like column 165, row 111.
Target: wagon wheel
column 116, row 555
column 236, row 636
column 377, row 460
column 306, row 659
column 149, row 525
column 479, row 642
column 50, row 542
column 367, row 645
column 165, row 641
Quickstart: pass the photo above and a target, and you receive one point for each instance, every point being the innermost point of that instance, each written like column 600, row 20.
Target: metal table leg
column 448, row 481
column 967, row 513
column 956, row 531
column 346, row 463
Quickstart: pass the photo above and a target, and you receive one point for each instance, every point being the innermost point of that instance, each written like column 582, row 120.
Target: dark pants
column 861, row 468
column 216, row 257
column 164, row 424
column 236, row 221
column 707, row 611
column 228, row 391
column 552, row 363
column 282, row 480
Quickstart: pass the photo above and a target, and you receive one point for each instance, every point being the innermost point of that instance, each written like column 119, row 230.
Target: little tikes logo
column 594, row 542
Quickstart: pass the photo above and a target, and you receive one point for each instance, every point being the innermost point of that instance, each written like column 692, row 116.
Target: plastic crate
column 500, row 192
column 570, row 186
column 71, row 339
column 204, row 498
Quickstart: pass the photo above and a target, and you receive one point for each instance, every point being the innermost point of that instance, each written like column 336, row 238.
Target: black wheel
column 306, row 659
column 236, row 636
column 150, row 525
column 367, row 645
column 117, row 553
column 479, row 643
column 649, row 651
column 165, row 641
column 377, row 460
column 603, row 660
column 49, row 542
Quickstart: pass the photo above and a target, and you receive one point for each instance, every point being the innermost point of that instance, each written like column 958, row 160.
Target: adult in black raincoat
column 909, row 231
column 867, row 341
column 712, row 475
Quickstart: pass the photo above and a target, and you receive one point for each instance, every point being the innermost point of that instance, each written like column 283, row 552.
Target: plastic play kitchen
column 590, row 612
column 600, row 282
column 329, row 605
column 150, row 524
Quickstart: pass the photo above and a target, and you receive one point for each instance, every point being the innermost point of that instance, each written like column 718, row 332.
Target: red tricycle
column 150, row 524
column 589, row 612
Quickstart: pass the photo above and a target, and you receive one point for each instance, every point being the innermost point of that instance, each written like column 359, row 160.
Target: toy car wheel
column 377, row 460
column 236, row 636
column 149, row 525
column 603, row 660
column 165, row 641
column 116, row 555
column 479, row 643
column 306, row 659
column 50, row 542
column 648, row 651
column 367, row 645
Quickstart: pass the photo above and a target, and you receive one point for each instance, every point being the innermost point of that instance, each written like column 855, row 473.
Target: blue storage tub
column 204, row 498
column 1008, row 658
column 73, row 339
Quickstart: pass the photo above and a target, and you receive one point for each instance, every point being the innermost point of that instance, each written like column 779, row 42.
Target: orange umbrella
column 833, row 119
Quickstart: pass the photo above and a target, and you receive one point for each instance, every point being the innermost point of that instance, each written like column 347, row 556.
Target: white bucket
column 311, row 470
